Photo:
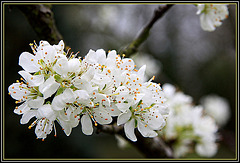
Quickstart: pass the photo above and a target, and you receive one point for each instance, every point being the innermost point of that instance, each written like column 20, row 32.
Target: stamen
column 55, row 131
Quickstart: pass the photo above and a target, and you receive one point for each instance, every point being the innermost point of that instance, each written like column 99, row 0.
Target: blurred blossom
column 211, row 15
column 188, row 129
column 121, row 142
column 217, row 107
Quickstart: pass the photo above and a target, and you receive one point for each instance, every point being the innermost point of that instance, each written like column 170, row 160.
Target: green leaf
column 135, row 123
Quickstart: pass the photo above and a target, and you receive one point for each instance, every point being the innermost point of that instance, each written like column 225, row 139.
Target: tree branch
column 149, row 147
column 133, row 47
column 42, row 21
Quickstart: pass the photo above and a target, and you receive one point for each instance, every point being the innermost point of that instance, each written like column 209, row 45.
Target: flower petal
column 49, row 87
column 47, row 112
column 66, row 126
column 36, row 103
column 124, row 117
column 129, row 130
column 27, row 116
column 86, row 123
column 33, row 80
column 145, row 130
column 21, row 109
column 17, row 91
column 28, row 62
column 102, row 116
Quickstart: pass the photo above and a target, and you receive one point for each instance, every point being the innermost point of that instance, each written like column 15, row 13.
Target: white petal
column 83, row 84
column 43, row 43
column 101, row 54
column 74, row 65
column 102, row 116
column 49, row 87
column 66, row 126
column 101, row 80
column 89, row 74
column 36, row 103
column 113, row 110
column 58, row 103
column 91, row 57
column 154, row 120
column 27, row 116
column 59, row 48
column 47, row 112
column 82, row 95
column 86, row 123
column 33, row 80
column 141, row 72
column 124, row 117
column 69, row 96
column 127, row 62
column 129, row 130
column 206, row 23
column 28, row 62
column 61, row 67
column 102, row 99
column 17, row 91
column 43, row 128
column 22, row 108
column 123, row 106
column 145, row 130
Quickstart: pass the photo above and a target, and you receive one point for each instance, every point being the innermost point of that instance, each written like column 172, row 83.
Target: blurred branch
column 150, row 147
column 133, row 47
column 42, row 21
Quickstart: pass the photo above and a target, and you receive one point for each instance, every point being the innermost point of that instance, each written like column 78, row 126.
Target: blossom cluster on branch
column 189, row 128
column 59, row 87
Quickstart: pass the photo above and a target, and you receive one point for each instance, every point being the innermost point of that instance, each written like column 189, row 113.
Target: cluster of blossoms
column 217, row 107
column 212, row 15
column 57, row 86
column 188, row 128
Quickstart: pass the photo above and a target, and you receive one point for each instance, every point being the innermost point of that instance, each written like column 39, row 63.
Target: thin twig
column 133, row 46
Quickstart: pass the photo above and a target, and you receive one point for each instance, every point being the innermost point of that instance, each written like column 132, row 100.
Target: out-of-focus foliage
column 198, row 62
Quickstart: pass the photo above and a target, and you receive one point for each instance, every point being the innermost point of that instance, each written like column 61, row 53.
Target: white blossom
column 188, row 126
column 61, row 87
column 212, row 15
column 217, row 107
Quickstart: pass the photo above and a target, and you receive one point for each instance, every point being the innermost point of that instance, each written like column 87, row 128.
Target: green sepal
column 42, row 62
column 104, row 87
column 60, row 90
column 48, row 102
column 73, row 87
column 135, row 123
column 38, row 73
column 58, row 78
column 139, row 103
